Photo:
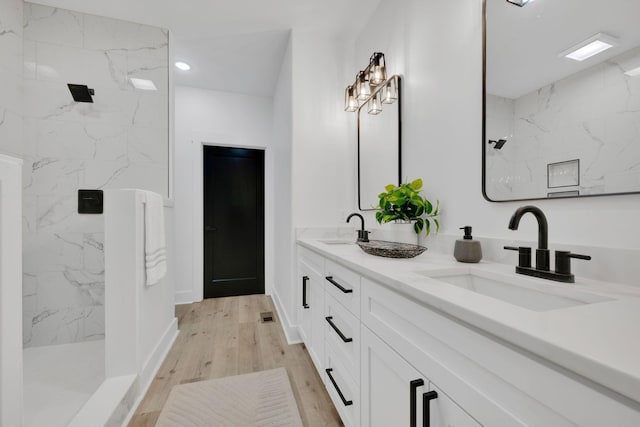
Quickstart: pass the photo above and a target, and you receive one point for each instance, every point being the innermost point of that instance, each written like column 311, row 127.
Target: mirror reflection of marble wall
column 592, row 116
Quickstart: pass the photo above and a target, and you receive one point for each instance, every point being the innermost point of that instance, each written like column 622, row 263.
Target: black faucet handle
column 363, row 235
column 578, row 256
column 563, row 261
column 524, row 255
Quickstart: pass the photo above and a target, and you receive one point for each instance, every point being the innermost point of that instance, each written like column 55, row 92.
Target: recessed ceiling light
column 143, row 84
column 183, row 66
column 590, row 47
column 633, row 72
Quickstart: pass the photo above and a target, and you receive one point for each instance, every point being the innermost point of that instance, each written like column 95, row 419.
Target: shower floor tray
column 59, row 379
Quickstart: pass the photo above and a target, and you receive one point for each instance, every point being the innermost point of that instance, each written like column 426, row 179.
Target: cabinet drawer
column 312, row 259
column 344, row 392
column 342, row 336
column 344, row 285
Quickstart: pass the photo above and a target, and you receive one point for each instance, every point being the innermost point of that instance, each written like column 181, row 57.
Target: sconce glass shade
column 363, row 90
column 377, row 69
column 375, row 106
column 350, row 101
column 390, row 92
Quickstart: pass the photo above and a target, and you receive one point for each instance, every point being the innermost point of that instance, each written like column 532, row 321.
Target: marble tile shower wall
column 591, row 115
column 119, row 141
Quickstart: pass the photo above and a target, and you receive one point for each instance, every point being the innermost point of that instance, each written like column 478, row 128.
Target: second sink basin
column 527, row 293
column 336, row 241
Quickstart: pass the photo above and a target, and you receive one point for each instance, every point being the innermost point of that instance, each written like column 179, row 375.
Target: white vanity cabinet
column 342, row 340
column 375, row 342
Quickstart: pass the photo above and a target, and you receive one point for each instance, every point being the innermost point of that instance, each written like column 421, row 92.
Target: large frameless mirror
column 562, row 98
column 379, row 140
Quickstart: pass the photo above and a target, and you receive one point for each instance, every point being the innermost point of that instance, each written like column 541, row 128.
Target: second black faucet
column 562, row 271
column 363, row 235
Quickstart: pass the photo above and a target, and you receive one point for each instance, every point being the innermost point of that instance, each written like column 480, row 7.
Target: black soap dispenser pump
column 467, row 249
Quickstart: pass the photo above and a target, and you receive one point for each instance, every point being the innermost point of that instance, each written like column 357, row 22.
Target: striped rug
column 257, row 399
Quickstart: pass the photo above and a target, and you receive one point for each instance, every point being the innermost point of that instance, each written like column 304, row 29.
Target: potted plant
column 405, row 204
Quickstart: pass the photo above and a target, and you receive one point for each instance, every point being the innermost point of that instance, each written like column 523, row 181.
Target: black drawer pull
column 329, row 319
column 304, row 291
column 345, row 401
column 413, row 386
column 338, row 285
column 426, row 411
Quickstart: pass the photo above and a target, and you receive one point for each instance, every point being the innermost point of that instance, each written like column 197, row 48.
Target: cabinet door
column 304, row 306
column 443, row 412
column 391, row 388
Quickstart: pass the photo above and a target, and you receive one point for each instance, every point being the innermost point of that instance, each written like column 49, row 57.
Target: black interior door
column 233, row 221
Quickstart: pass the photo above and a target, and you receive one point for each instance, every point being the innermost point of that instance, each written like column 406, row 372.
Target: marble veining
column 121, row 140
column 591, row 116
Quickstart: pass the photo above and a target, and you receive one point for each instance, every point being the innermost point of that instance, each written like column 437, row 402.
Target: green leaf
column 437, row 211
column 428, row 226
column 389, row 188
column 417, row 227
column 379, row 217
column 416, row 184
column 428, row 208
column 437, row 225
column 419, row 210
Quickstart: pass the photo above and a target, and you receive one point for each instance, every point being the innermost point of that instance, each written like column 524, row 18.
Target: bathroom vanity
column 430, row 341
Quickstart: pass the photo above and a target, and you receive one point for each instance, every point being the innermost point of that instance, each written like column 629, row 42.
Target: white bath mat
column 257, row 399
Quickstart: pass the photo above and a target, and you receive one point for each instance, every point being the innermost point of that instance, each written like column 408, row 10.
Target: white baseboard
column 290, row 331
column 184, row 297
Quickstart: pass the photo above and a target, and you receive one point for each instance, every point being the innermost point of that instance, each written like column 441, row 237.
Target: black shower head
column 81, row 93
column 498, row 144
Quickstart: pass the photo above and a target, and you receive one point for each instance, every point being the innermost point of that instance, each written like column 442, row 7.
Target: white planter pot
column 397, row 232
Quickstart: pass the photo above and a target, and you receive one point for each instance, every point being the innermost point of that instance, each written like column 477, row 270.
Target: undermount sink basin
column 336, row 241
column 525, row 292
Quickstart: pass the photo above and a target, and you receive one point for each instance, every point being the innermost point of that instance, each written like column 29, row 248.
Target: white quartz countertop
column 599, row 341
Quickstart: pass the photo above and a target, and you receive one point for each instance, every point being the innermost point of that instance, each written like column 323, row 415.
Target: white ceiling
column 523, row 43
column 233, row 45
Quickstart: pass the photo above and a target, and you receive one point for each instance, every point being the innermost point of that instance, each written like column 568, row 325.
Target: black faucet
column 363, row 235
column 562, row 271
column 542, row 253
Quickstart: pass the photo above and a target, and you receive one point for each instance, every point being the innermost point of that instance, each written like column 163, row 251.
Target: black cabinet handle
column 426, row 411
column 338, row 285
column 329, row 319
column 344, row 401
column 413, row 386
column 304, row 291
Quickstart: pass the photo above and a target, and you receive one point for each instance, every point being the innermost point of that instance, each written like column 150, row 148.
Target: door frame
column 198, row 216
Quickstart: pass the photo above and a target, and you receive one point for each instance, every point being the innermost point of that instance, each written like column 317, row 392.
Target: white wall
column 323, row 158
column 216, row 118
column 437, row 46
column 283, row 227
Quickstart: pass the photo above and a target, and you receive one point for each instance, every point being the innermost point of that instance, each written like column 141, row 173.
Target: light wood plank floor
column 224, row 336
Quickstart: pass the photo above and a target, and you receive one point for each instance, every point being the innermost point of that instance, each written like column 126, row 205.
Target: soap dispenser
column 467, row 249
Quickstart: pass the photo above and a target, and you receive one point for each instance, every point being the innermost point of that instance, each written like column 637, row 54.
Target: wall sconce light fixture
column 372, row 87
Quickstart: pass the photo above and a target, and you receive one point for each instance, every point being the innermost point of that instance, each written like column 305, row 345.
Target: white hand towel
column 155, row 247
